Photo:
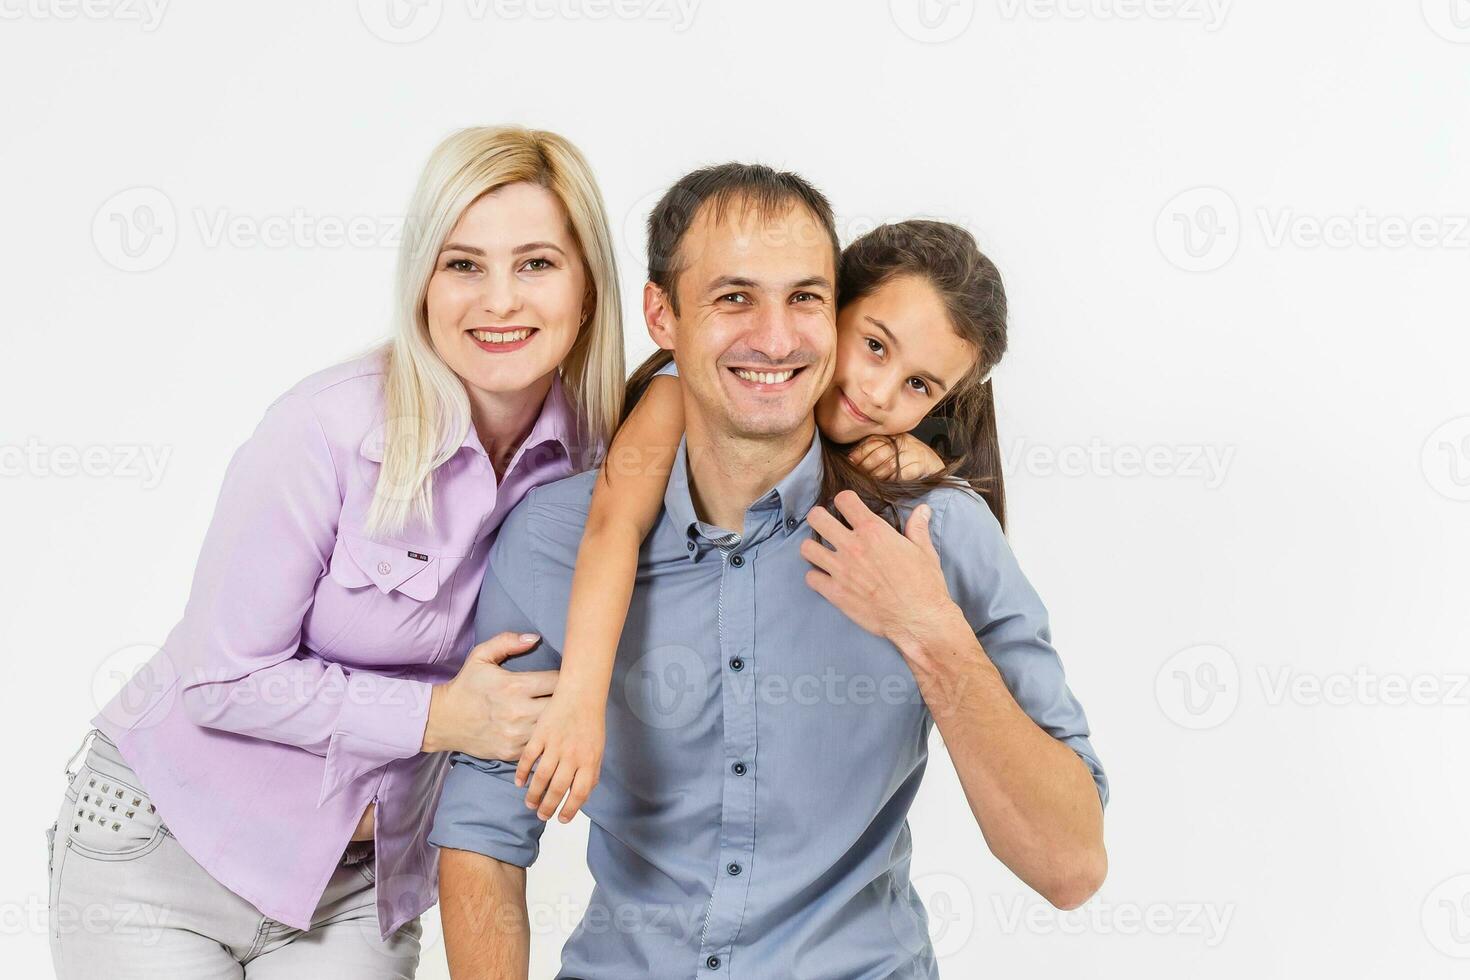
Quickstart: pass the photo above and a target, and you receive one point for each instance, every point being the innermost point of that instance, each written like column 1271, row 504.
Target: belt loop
column 85, row 742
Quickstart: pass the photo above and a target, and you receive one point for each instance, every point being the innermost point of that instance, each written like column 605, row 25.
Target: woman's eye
column 537, row 265
column 922, row 385
column 460, row 265
column 876, row 346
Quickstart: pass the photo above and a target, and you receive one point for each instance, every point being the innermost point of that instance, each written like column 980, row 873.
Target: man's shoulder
column 550, row 518
column 959, row 513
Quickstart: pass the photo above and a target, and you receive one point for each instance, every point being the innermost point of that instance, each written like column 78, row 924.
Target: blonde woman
column 256, row 801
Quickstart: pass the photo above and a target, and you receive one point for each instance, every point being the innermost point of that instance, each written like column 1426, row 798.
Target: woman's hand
column 488, row 711
column 888, row 583
column 912, row 459
column 568, row 742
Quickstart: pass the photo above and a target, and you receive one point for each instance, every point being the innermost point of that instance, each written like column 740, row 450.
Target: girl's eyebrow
column 893, row 342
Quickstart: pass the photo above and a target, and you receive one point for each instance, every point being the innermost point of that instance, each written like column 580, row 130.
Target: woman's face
column 897, row 356
column 509, row 290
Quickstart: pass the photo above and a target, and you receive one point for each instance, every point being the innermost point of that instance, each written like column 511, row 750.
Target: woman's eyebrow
column 518, row 250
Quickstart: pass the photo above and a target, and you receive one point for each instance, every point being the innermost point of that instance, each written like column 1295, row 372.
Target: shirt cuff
column 382, row 719
column 482, row 810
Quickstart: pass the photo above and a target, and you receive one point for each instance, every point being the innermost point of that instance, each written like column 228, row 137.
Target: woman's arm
column 626, row 501
column 235, row 649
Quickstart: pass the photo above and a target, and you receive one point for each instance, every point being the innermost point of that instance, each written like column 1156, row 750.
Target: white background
column 1201, row 214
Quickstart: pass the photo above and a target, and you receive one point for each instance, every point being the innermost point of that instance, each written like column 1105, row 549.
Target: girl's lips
column 852, row 409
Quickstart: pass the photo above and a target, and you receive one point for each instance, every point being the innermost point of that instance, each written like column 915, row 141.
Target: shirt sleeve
column 238, row 647
column 1010, row 621
column 480, row 807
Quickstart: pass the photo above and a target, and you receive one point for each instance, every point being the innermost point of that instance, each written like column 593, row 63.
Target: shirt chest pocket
column 378, row 603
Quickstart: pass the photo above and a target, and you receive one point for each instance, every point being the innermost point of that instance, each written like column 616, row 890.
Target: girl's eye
column 874, row 345
column 923, row 387
column 532, row 264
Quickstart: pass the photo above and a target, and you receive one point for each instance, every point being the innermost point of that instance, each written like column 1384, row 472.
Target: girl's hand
column 913, row 460
column 888, row 583
column 568, row 741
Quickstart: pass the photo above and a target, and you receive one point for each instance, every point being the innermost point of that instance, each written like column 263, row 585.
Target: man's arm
column 977, row 639
column 486, row 834
column 1017, row 736
column 482, row 903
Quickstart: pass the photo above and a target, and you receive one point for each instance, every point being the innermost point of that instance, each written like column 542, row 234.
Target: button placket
column 737, row 817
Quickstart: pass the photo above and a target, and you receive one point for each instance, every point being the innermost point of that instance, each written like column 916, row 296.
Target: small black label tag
column 415, row 554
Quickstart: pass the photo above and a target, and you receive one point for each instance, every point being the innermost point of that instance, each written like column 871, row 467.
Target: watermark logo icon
column 1199, row 229
column 136, row 230
column 1445, row 917
column 932, row 21
column 1198, row 687
column 1445, row 459
column 1450, row 19
column 667, row 687
column 400, row 21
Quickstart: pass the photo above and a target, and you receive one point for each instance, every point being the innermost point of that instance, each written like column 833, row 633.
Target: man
column 763, row 749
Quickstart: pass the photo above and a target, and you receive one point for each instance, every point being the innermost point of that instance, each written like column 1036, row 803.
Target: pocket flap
column 392, row 568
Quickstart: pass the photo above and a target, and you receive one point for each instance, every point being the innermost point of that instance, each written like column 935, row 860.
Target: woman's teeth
column 508, row 337
column 765, row 377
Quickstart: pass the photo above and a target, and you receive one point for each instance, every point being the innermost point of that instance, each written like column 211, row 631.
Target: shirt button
column 733, row 868
column 790, row 523
column 736, row 663
column 738, row 769
column 689, row 545
column 384, row 568
column 713, row 962
column 737, row 561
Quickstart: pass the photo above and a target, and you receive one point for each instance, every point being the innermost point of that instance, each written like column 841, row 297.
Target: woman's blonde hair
column 426, row 408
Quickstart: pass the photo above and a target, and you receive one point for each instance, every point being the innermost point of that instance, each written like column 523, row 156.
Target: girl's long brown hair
column 968, row 283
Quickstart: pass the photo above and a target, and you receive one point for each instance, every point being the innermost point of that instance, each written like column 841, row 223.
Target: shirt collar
column 556, row 423
column 795, row 494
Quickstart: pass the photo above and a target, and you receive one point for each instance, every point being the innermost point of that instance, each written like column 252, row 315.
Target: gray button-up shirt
column 762, row 749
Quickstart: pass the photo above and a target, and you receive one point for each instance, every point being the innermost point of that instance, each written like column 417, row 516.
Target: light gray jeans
column 127, row 901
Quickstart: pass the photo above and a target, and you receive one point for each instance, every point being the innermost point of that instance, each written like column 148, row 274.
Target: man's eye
column 923, row 386
column 537, row 265
column 740, row 298
column 804, row 297
column 876, row 346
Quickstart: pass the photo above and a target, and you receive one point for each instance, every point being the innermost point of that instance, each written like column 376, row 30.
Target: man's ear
column 658, row 315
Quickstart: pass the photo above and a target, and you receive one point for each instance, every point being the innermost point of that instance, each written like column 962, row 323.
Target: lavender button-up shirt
column 295, row 689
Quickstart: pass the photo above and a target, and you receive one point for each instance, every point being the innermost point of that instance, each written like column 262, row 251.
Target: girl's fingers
column 581, row 789
column 559, row 785
column 539, row 781
column 528, row 759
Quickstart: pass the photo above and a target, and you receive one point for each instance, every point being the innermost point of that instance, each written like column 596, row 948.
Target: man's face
column 756, row 329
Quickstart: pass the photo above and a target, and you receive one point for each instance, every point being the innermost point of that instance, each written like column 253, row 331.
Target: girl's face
column 897, row 356
column 509, row 290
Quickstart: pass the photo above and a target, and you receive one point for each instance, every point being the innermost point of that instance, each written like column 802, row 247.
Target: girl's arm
column 568, row 738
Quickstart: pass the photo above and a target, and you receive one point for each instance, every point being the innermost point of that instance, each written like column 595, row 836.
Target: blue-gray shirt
column 762, row 750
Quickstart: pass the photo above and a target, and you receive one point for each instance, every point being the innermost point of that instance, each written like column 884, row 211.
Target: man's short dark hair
column 766, row 190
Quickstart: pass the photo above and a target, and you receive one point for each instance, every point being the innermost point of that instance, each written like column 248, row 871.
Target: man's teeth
column 508, row 337
column 765, row 377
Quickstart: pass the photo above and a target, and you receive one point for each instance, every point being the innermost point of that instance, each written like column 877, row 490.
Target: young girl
column 921, row 322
